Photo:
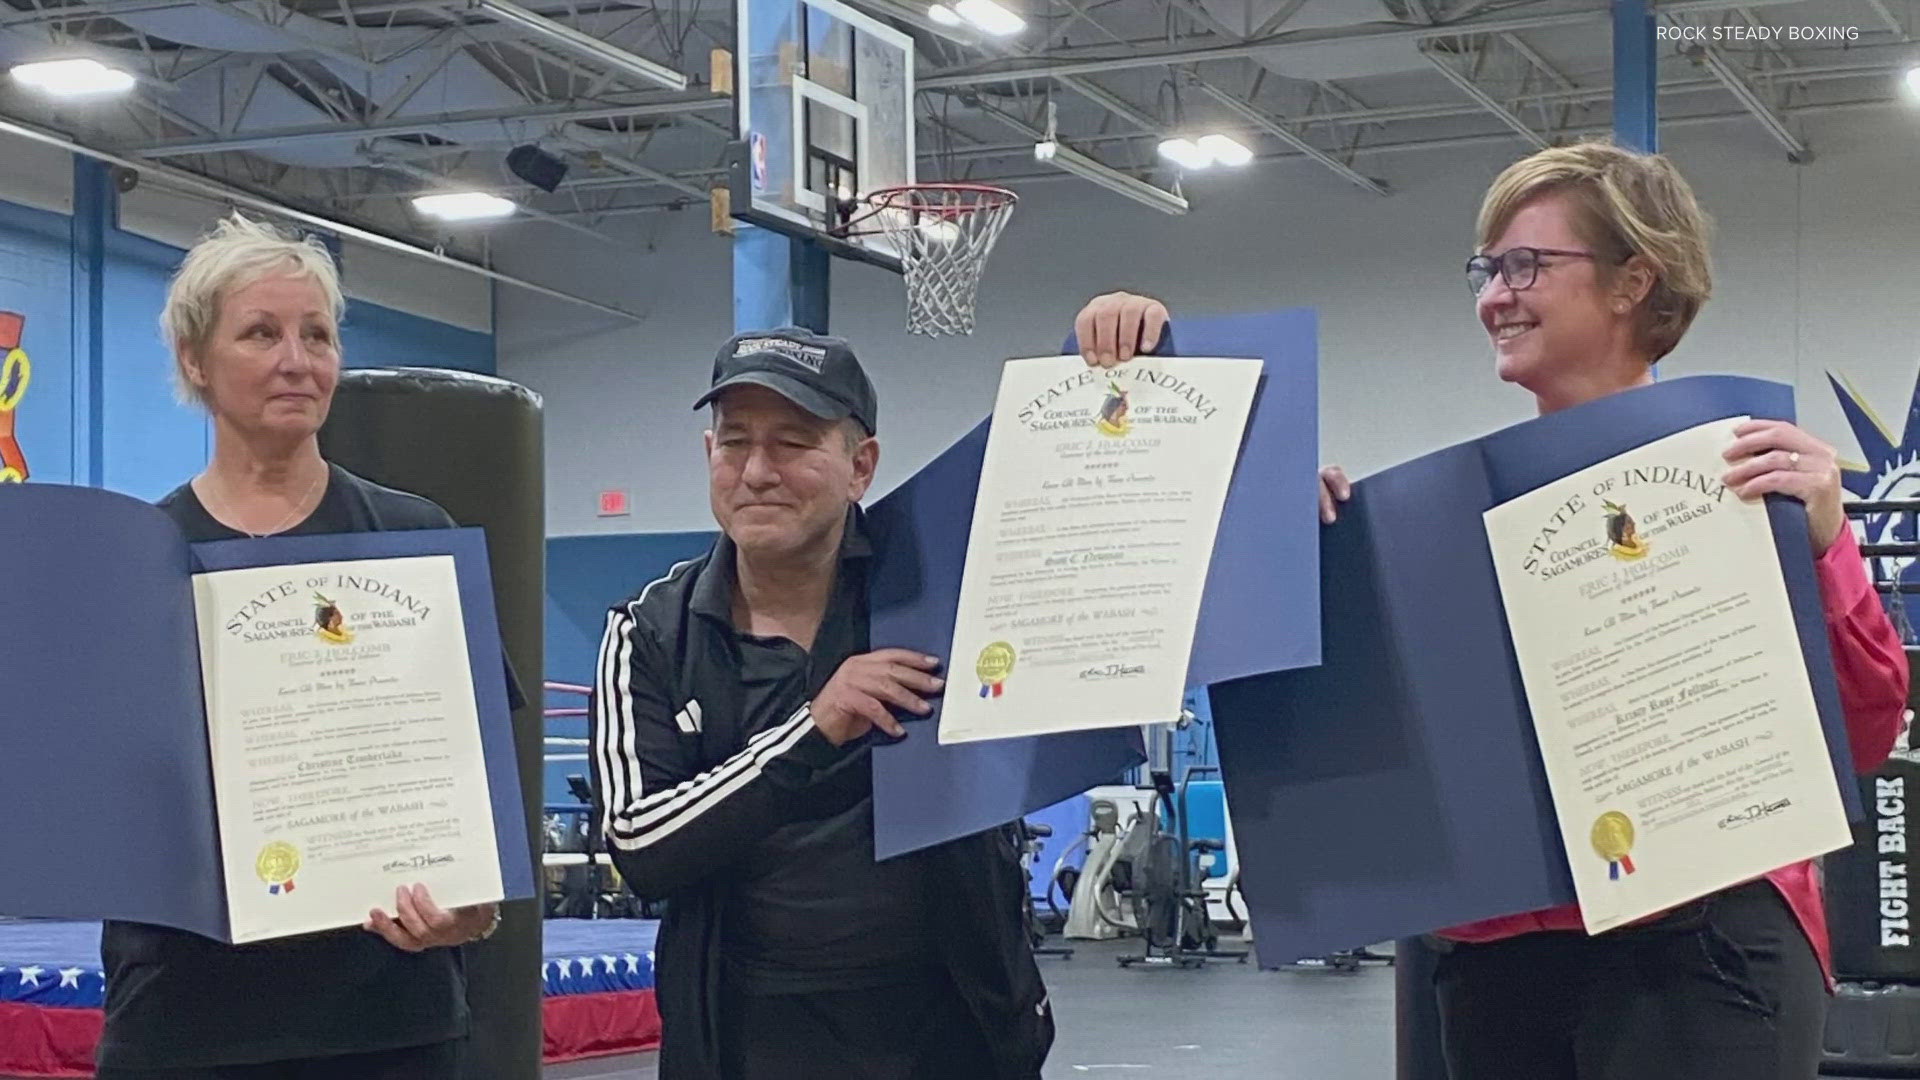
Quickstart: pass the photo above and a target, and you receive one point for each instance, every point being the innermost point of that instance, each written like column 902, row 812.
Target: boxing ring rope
column 562, row 858
column 579, row 816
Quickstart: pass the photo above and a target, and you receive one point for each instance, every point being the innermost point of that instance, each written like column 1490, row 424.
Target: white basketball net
column 942, row 234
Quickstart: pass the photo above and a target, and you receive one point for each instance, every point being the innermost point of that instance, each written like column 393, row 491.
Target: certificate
column 1675, row 714
column 248, row 739
column 1266, row 559
column 345, row 741
column 1093, row 529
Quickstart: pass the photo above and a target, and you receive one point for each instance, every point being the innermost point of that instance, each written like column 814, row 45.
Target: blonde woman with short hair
column 253, row 319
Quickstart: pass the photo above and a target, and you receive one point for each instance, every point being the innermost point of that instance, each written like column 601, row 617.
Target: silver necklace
column 224, row 507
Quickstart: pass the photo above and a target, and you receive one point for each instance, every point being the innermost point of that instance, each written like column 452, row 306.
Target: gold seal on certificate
column 277, row 864
column 1613, row 840
column 993, row 667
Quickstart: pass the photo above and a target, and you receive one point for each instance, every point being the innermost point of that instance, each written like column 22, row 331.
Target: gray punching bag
column 1416, row 1012
column 472, row 443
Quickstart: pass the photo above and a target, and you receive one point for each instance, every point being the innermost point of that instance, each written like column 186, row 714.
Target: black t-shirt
column 808, row 908
column 179, row 1000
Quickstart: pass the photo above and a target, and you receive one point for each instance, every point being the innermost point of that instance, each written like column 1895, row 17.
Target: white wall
column 36, row 175
column 430, row 290
column 1818, row 270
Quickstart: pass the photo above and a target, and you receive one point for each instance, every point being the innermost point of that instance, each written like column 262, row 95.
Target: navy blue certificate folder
column 1256, row 613
column 109, row 796
column 1397, row 788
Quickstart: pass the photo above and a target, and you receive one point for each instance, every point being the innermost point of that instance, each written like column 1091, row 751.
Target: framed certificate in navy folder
column 115, row 776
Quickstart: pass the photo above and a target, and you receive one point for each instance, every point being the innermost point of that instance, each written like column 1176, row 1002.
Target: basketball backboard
column 824, row 115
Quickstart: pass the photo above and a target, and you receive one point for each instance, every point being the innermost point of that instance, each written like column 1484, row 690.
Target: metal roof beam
column 1478, row 93
column 1079, row 62
column 1273, row 126
column 423, row 125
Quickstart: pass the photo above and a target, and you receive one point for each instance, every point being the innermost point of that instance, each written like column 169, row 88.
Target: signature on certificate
column 1114, row 671
column 417, row 862
column 1753, row 813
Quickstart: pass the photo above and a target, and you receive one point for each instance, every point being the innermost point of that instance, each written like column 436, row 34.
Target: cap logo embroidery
column 811, row 357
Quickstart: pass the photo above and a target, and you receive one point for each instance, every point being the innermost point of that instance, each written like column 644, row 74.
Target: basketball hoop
column 942, row 234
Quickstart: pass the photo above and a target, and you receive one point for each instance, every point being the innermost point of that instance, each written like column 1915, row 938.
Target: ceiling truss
column 1107, row 78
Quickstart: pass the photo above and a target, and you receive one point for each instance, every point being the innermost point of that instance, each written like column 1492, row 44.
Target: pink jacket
column 1871, row 666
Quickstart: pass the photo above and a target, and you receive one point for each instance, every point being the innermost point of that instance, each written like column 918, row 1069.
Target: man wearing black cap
column 733, row 705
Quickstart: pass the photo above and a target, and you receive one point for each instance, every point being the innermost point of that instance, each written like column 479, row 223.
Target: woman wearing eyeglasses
column 1591, row 264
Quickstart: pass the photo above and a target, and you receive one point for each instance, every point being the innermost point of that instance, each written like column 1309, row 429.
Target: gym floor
column 1227, row 1020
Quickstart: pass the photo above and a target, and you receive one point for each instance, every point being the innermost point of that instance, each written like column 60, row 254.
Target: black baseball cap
column 818, row 373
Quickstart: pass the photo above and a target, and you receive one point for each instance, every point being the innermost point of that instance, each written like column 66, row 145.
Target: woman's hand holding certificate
column 1773, row 457
column 420, row 924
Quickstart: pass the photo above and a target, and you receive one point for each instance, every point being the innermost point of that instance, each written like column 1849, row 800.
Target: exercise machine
column 1155, row 868
column 1033, row 836
column 1095, row 910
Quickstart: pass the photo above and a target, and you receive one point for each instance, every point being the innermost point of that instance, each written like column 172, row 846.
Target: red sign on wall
column 613, row 504
column 15, row 372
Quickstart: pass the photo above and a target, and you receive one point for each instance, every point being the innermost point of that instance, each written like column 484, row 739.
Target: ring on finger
column 1793, row 460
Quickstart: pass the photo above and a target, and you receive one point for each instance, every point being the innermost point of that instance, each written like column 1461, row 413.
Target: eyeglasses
column 1519, row 266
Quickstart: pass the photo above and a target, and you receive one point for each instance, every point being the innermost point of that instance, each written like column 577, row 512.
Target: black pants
column 440, row 1061
column 1726, row 988
column 916, row 1032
